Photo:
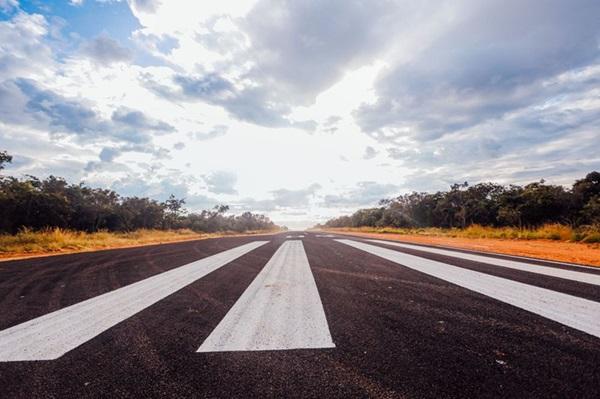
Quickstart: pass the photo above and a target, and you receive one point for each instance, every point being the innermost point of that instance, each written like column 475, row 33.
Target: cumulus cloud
column 24, row 51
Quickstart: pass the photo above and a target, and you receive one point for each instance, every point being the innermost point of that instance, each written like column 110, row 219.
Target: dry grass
column 29, row 243
column 555, row 232
column 552, row 242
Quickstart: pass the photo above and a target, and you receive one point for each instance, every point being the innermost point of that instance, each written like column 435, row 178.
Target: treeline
column 486, row 204
column 36, row 204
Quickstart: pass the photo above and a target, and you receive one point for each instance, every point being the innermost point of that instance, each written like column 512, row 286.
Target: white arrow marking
column 280, row 309
column 54, row 334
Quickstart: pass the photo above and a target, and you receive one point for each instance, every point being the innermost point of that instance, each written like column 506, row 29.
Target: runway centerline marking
column 281, row 309
column 52, row 335
column 511, row 264
column 578, row 313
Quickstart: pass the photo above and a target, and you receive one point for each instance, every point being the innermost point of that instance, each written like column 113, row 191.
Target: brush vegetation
column 555, row 232
column 36, row 204
column 534, row 211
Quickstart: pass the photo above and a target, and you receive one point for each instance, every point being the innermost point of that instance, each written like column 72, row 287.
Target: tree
column 4, row 158
column 591, row 211
column 587, row 187
column 174, row 209
column 53, row 202
column 486, row 204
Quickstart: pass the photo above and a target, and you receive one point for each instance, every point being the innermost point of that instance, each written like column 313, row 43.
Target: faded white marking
column 326, row 235
column 54, row 334
column 280, row 309
column 578, row 313
column 511, row 264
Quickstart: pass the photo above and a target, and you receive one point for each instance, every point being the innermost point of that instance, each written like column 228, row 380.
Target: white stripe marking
column 54, row 334
column 578, row 313
column 281, row 309
column 511, row 264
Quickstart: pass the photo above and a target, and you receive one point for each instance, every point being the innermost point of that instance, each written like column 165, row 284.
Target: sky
column 300, row 110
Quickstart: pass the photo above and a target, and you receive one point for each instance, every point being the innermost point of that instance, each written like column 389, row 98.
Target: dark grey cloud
column 13, row 103
column 496, row 58
column 301, row 48
column 108, row 154
column 525, row 133
column 61, row 113
column 138, row 120
column 42, row 109
column 210, row 87
column 179, row 146
column 221, row 182
column 502, row 87
column 253, row 104
column 296, row 52
column 105, row 51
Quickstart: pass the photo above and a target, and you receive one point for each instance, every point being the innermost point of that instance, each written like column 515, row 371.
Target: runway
column 297, row 315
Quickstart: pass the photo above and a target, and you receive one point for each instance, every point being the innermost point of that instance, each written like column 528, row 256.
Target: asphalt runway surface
column 297, row 314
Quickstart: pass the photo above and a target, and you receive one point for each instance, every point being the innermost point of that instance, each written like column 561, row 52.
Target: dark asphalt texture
column 398, row 332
